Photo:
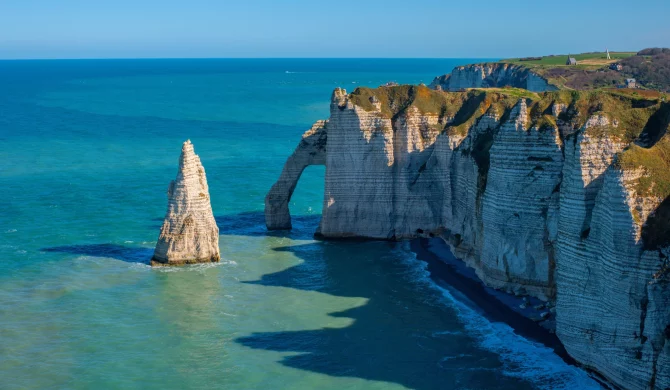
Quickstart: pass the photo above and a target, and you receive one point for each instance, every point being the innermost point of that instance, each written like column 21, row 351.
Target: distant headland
column 646, row 70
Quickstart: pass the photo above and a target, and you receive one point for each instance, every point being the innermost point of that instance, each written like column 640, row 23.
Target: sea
column 87, row 150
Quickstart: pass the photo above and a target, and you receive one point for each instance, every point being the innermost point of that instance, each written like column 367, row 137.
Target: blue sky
column 340, row 28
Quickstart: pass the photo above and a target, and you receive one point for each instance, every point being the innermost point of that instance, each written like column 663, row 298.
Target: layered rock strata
column 547, row 194
column 489, row 75
column 189, row 233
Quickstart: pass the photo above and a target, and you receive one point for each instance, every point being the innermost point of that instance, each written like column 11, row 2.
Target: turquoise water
column 88, row 149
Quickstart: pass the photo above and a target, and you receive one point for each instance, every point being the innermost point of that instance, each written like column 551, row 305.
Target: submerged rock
column 189, row 233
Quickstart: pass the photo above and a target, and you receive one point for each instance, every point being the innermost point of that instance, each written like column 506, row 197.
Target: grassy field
column 639, row 93
column 592, row 59
column 590, row 72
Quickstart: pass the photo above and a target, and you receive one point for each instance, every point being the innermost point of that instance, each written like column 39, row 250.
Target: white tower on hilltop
column 608, row 53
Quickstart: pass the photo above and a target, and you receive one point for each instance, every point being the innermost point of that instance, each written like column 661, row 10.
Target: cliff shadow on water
column 407, row 332
column 252, row 223
column 248, row 223
column 391, row 337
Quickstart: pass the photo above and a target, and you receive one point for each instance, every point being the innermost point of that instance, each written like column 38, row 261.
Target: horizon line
column 292, row 58
column 249, row 58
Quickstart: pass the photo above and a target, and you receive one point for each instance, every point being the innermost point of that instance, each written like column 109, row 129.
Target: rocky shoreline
column 540, row 312
column 498, row 306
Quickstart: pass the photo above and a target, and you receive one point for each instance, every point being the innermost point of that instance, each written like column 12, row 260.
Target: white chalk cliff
column 540, row 192
column 489, row 75
column 189, row 233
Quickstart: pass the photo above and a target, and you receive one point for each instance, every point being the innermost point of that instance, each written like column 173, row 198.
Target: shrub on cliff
column 651, row 70
column 653, row 51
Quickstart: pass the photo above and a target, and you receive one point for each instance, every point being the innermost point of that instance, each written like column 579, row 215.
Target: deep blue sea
column 87, row 150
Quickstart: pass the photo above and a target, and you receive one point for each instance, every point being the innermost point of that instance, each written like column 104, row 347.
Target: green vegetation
column 650, row 67
column 656, row 163
column 593, row 59
column 464, row 108
column 397, row 99
column 631, row 113
column 458, row 111
column 652, row 71
column 518, row 93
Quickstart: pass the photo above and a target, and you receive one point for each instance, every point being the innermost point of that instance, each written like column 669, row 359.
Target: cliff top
column 634, row 115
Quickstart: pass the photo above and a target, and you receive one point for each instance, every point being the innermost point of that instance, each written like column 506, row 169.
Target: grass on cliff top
column 461, row 109
column 396, row 99
column 636, row 93
column 630, row 113
column 655, row 160
column 458, row 111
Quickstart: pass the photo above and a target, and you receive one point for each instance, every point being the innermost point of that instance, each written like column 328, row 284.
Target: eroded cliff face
column 612, row 311
column 490, row 75
column 540, row 193
column 605, row 264
column 376, row 160
column 520, row 205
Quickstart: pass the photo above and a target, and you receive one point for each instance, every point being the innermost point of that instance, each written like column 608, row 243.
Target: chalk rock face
column 189, row 233
column 612, row 313
column 359, row 168
column 520, row 206
column 539, row 194
column 612, row 297
column 372, row 172
column 491, row 75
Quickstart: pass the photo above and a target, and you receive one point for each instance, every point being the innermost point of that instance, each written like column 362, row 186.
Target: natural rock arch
column 310, row 151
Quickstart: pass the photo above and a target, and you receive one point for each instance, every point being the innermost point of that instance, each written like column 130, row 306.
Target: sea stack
column 189, row 234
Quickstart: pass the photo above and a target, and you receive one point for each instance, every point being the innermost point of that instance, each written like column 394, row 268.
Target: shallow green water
column 88, row 149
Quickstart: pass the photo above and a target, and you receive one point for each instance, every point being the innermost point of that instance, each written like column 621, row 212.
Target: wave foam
column 194, row 267
column 521, row 358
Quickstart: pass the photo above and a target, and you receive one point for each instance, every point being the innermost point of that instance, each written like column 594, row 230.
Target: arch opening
column 310, row 151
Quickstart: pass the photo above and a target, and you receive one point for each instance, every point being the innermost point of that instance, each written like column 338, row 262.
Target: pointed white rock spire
column 189, row 233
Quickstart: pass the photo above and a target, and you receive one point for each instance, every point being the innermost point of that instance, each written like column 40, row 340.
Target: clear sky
column 337, row 28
